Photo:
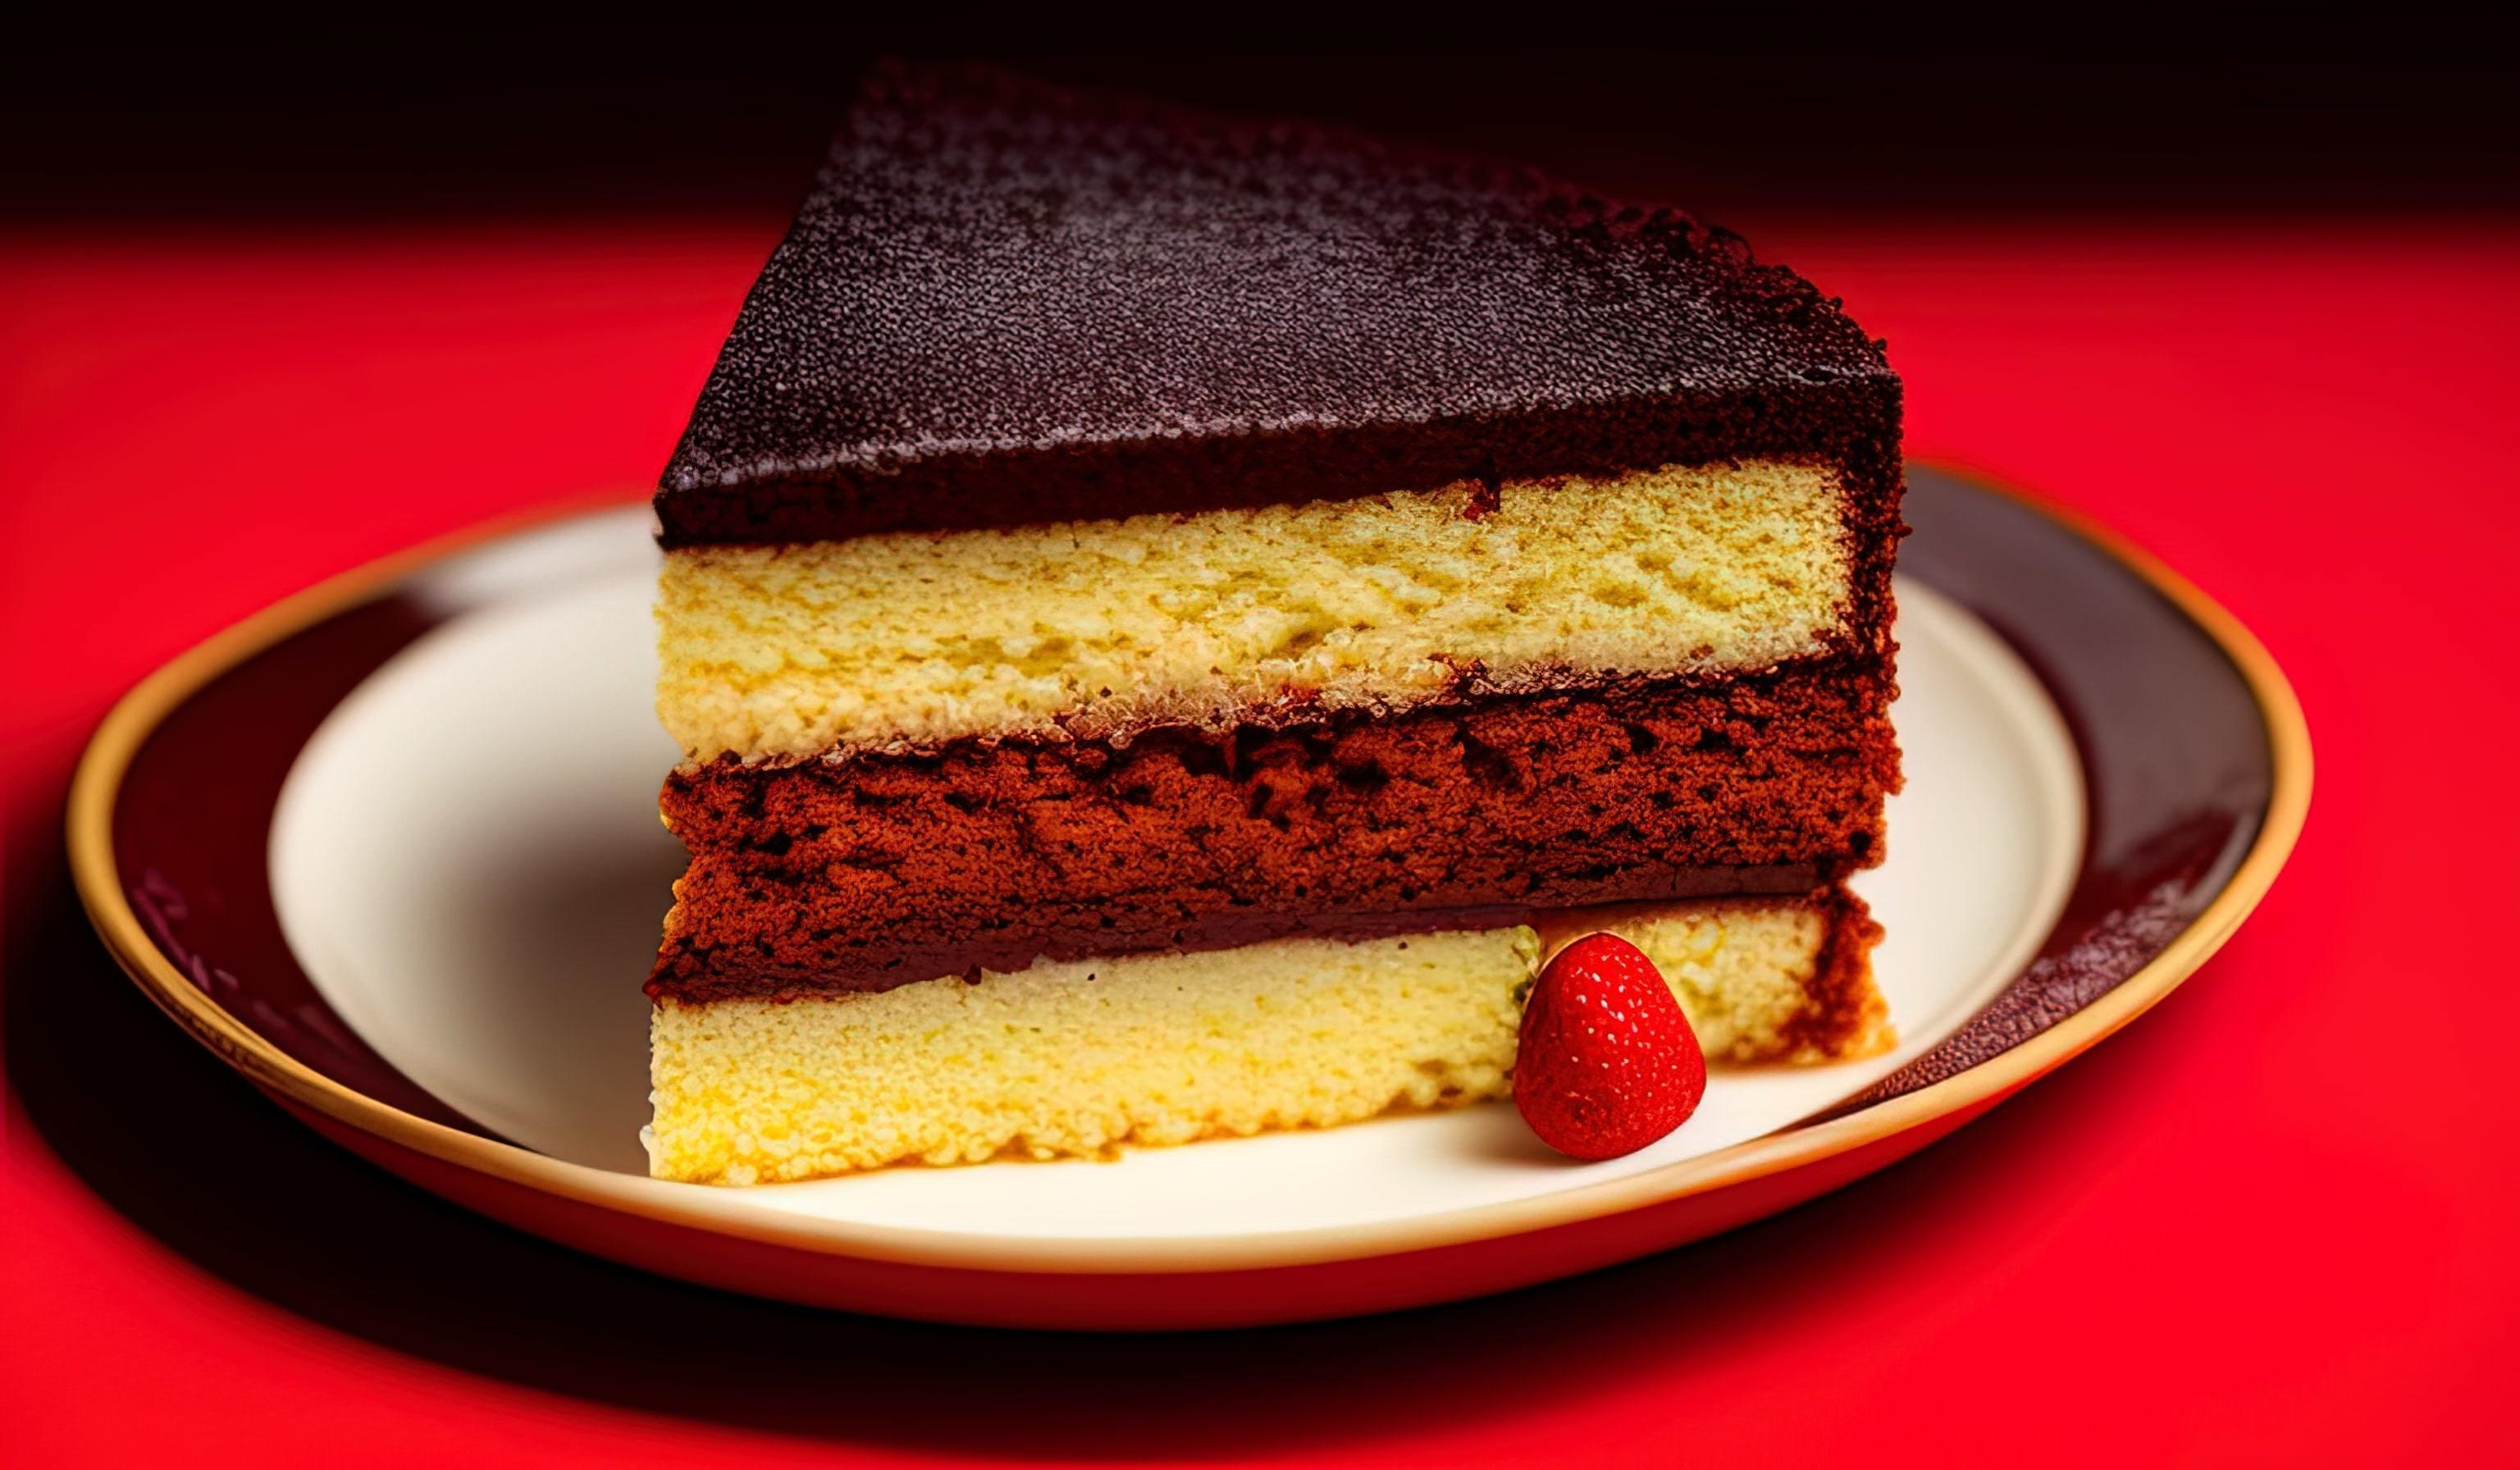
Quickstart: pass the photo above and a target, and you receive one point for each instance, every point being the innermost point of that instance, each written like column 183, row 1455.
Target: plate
column 390, row 849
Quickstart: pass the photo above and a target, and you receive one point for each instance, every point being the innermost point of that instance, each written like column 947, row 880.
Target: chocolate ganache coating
column 1005, row 302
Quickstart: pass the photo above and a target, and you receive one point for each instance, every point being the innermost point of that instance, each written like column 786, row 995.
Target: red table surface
column 2276, row 1217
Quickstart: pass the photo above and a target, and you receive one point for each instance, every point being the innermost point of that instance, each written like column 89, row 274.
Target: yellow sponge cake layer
column 1094, row 625
column 1075, row 1059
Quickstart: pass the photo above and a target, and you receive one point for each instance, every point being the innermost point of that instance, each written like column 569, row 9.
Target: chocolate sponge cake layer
column 885, row 869
column 1009, row 304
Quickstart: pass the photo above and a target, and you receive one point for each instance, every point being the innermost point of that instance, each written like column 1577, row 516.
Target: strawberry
column 1607, row 1062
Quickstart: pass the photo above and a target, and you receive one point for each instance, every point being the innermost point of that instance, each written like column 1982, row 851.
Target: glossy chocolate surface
column 1004, row 302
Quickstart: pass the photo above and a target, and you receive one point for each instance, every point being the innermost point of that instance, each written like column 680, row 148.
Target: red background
column 2276, row 1218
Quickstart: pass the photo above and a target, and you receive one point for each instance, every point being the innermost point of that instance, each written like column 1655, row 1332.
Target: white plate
column 466, row 861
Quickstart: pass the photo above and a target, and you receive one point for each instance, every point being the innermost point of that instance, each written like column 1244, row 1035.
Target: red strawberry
column 1607, row 1062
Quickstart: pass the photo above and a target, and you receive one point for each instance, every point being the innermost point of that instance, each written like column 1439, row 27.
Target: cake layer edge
column 1077, row 1060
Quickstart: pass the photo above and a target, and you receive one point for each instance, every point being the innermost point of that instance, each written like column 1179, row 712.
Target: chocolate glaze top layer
column 1005, row 302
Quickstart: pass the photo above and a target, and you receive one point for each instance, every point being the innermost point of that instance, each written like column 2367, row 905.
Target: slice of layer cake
column 1171, row 621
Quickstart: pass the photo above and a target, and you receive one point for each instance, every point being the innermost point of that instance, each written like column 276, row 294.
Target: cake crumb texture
column 883, row 870
column 1076, row 1059
column 1775, row 983
column 1192, row 619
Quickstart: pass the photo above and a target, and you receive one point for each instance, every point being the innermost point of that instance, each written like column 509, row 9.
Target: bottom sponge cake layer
column 1076, row 1058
